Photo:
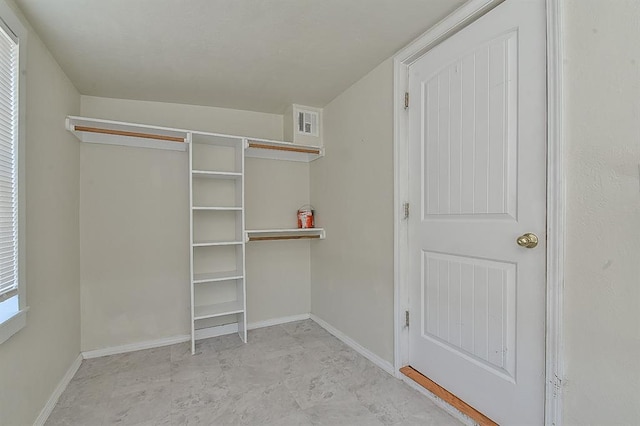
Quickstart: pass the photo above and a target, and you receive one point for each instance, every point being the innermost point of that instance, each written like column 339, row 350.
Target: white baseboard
column 204, row 333
column 136, row 346
column 385, row 365
column 62, row 385
column 277, row 321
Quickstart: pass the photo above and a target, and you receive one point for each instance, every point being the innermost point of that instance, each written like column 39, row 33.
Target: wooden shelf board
column 93, row 130
column 217, row 310
column 217, row 276
column 278, row 150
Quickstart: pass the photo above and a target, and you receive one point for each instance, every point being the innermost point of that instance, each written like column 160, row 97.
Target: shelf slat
column 214, row 243
column 223, row 209
column 211, row 277
column 217, row 310
column 215, row 175
column 287, row 237
column 284, row 234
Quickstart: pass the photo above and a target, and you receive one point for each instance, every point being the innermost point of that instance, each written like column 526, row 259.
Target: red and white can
column 305, row 217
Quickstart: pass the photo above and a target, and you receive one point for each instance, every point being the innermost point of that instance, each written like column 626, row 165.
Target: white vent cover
column 308, row 122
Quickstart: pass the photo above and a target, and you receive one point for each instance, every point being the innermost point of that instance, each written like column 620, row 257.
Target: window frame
column 15, row 317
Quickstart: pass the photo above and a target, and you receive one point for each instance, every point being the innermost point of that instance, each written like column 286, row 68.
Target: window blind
column 8, row 163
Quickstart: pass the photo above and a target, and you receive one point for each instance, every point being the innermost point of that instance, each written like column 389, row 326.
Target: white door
column 477, row 164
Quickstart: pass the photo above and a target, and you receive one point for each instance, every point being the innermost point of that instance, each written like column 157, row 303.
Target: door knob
column 527, row 240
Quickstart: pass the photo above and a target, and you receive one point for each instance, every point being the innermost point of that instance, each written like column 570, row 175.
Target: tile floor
column 292, row 374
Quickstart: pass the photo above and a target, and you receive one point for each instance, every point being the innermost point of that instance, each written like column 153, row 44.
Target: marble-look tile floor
column 292, row 374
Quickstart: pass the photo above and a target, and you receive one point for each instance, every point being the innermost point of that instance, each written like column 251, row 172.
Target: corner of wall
column 352, row 191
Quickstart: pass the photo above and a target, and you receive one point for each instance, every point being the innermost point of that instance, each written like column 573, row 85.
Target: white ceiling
column 259, row 55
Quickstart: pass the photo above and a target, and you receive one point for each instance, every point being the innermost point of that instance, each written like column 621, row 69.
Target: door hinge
column 405, row 206
column 406, row 100
column 406, row 319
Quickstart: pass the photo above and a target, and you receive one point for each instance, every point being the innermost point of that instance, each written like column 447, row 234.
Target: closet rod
column 289, row 237
column 283, row 148
column 125, row 133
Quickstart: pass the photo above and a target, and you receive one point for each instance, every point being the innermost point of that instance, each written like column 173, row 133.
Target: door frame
column 463, row 16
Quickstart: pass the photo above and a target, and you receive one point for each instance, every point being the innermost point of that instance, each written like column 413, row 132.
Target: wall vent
column 302, row 125
column 308, row 122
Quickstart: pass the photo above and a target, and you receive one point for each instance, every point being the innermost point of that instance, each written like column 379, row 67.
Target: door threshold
column 447, row 396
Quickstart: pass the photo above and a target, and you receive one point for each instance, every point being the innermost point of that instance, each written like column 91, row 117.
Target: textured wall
column 352, row 191
column 33, row 361
column 602, row 289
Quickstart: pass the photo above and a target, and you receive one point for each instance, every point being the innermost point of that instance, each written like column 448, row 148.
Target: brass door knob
column 527, row 240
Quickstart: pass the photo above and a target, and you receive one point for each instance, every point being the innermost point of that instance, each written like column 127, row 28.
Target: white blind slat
column 8, row 172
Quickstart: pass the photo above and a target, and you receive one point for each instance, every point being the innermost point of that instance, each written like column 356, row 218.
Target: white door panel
column 477, row 172
column 471, row 100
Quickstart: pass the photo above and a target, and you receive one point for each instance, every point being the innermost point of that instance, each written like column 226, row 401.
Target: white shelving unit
column 216, row 193
column 217, row 217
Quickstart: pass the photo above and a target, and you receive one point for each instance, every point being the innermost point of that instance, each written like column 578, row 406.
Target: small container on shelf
column 305, row 217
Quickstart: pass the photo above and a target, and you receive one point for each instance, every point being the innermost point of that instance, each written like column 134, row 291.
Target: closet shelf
column 284, row 234
column 217, row 276
column 217, row 310
column 93, row 130
column 277, row 150
column 216, row 243
column 222, row 209
column 215, row 175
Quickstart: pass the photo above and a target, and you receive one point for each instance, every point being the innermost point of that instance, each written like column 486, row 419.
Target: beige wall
column 352, row 191
column 34, row 360
column 125, row 221
column 211, row 119
column 278, row 272
column 602, row 288
column 134, row 227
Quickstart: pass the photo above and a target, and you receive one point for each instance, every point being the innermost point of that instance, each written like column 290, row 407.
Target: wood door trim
column 447, row 396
